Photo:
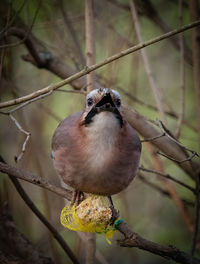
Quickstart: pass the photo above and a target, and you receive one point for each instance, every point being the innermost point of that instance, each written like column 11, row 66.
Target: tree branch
column 152, row 81
column 132, row 239
column 91, row 68
column 167, row 176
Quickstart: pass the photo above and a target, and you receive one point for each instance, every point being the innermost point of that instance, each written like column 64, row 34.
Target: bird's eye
column 89, row 101
column 118, row 102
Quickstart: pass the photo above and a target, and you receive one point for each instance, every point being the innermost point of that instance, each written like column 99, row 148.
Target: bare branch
column 34, row 179
column 169, row 113
column 90, row 43
column 28, row 134
column 168, row 134
column 153, row 138
column 167, row 176
column 152, row 80
column 182, row 73
column 89, row 69
column 178, row 161
column 72, row 32
column 164, row 144
column 132, row 239
column 162, row 191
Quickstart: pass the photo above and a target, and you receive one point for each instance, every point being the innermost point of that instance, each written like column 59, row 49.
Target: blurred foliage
column 148, row 212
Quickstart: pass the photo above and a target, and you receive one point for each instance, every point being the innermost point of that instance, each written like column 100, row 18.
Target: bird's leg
column 77, row 197
column 115, row 213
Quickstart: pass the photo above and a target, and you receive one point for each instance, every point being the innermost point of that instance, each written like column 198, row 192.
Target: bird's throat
column 102, row 135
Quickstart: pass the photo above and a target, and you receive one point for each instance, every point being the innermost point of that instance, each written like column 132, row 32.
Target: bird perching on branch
column 97, row 151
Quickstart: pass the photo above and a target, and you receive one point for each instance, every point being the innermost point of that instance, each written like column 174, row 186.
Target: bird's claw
column 115, row 214
column 77, row 197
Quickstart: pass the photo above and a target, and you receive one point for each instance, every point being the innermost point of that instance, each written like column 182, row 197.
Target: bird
column 96, row 150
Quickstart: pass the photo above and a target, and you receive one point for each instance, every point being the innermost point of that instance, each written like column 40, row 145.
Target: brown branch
column 167, row 176
column 152, row 138
column 182, row 74
column 169, row 113
column 161, row 190
column 90, row 43
column 152, row 81
column 164, row 144
column 132, row 239
column 28, row 135
column 178, row 161
column 91, row 68
column 34, row 179
column 71, row 29
column 169, row 135
column 146, row 7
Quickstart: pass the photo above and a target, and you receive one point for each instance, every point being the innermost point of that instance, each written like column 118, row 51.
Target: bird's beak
column 105, row 104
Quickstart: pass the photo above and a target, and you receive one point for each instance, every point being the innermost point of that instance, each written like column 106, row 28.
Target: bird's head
column 102, row 100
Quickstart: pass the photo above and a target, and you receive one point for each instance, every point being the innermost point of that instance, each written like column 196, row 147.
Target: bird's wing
column 63, row 134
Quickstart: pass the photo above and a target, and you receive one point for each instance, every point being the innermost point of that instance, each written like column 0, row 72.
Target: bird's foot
column 115, row 214
column 77, row 197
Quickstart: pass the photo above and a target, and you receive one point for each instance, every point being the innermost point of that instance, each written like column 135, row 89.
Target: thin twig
column 182, row 73
column 153, row 138
column 71, row 91
column 91, row 68
column 28, row 32
column 167, row 176
column 142, row 178
column 152, row 81
column 168, row 134
column 71, row 29
column 178, row 161
column 90, row 43
column 169, row 113
column 132, row 239
column 28, row 135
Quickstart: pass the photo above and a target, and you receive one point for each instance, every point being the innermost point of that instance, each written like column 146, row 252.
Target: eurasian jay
column 97, row 151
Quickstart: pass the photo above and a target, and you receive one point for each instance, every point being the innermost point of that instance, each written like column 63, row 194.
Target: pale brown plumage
column 97, row 151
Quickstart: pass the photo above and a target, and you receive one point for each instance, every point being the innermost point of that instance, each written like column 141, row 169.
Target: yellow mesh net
column 91, row 215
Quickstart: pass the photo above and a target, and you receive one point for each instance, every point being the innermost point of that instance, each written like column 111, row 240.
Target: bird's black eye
column 89, row 101
column 118, row 102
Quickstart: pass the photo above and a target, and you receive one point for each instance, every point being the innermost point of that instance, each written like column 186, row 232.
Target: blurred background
column 56, row 30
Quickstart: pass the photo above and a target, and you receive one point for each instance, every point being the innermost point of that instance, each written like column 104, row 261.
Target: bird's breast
column 102, row 136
